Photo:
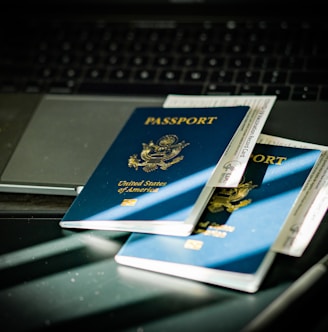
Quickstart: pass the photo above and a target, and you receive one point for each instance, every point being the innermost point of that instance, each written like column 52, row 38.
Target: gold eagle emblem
column 162, row 154
column 231, row 199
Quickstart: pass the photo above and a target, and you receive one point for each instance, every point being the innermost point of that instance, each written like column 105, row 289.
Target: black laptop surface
column 71, row 72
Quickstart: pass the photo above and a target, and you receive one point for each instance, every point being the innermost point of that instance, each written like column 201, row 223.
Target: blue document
column 230, row 245
column 153, row 177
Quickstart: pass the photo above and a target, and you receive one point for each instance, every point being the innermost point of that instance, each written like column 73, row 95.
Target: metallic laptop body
column 60, row 109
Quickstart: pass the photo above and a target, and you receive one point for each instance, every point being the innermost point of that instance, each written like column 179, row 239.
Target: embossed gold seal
column 231, row 199
column 162, row 154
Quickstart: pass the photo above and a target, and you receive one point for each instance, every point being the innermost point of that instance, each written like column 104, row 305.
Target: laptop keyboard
column 288, row 59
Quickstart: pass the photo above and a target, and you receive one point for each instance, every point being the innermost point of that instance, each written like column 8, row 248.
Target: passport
column 153, row 178
column 231, row 244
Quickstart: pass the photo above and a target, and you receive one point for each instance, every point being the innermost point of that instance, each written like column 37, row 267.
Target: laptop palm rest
column 64, row 140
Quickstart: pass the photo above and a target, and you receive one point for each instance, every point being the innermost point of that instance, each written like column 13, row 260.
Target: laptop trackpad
column 66, row 138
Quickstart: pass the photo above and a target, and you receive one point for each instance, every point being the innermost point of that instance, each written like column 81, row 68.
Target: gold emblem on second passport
column 230, row 199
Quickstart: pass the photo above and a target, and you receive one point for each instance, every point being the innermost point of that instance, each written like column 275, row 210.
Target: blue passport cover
column 230, row 245
column 153, row 177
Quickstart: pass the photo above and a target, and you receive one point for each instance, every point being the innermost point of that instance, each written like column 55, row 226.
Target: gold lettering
column 192, row 121
column 202, row 120
column 181, row 120
column 153, row 184
column 142, row 190
column 149, row 120
column 273, row 160
column 130, row 183
column 211, row 119
column 280, row 160
column 270, row 160
column 259, row 158
column 206, row 120
column 166, row 121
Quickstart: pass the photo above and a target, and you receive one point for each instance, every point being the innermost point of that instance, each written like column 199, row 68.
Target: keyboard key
column 267, row 62
column 71, row 72
column 33, row 87
column 170, row 75
column 248, row 76
column 220, row 89
column 213, row 61
column 262, row 48
column 188, row 61
column 222, row 76
column 275, row 77
column 212, row 48
column 292, row 62
column 120, row 74
column 187, row 48
column 251, row 90
column 305, row 93
column 138, row 47
column 138, row 61
column 239, row 62
column 162, row 48
column 145, row 75
column 282, row 92
column 61, row 87
column 195, row 75
column 89, row 59
column 47, row 72
column 114, row 60
column 236, row 48
column 114, row 46
column 11, row 71
column 9, row 86
column 324, row 93
column 163, row 61
column 315, row 77
column 95, row 73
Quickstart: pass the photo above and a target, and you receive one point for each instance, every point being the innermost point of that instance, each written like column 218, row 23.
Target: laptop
column 72, row 71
